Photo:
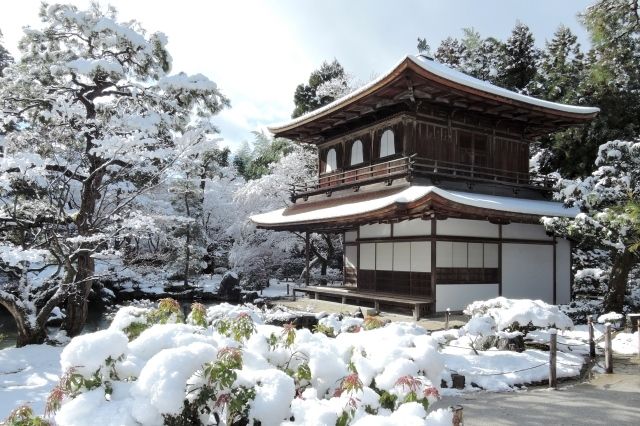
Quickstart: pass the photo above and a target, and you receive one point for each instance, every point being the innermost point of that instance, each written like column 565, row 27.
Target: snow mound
column 87, row 353
column 505, row 312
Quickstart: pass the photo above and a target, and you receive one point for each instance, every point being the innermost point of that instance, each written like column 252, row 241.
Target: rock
column 486, row 342
column 457, row 381
column 511, row 344
column 229, row 288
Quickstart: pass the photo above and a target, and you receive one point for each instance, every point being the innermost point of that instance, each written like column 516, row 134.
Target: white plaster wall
column 563, row 271
column 467, row 228
column 459, row 255
column 413, row 227
column 384, row 256
column 458, row 296
column 475, row 255
column 367, row 256
column 527, row 271
column 444, row 254
column 376, row 230
column 525, row 231
column 421, row 256
column 350, row 236
column 351, row 256
column 490, row 255
column 402, row 257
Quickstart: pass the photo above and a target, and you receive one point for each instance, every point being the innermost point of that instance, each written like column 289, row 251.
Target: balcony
column 408, row 167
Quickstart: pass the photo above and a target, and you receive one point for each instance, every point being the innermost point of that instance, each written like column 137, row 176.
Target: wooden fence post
column 458, row 419
column 638, row 338
column 608, row 353
column 553, row 345
column 592, row 343
column 446, row 320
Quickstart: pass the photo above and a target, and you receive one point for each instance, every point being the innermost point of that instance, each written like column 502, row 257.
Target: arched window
column 387, row 144
column 332, row 161
column 356, row 153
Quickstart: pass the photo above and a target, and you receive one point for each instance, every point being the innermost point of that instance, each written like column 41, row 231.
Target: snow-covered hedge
column 514, row 314
column 224, row 364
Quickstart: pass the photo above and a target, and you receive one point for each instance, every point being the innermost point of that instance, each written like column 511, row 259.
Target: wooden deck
column 352, row 293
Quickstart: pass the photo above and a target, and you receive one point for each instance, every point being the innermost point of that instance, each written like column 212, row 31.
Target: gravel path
column 607, row 399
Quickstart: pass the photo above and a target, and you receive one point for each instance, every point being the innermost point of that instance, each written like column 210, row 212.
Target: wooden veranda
column 351, row 293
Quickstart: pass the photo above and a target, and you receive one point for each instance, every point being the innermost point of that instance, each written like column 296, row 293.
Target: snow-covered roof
column 434, row 69
column 412, row 194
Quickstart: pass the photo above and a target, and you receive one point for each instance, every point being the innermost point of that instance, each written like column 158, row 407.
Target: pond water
column 97, row 319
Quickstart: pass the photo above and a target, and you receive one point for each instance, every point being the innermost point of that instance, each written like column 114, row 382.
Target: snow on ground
column 626, row 343
column 349, row 373
column 27, row 375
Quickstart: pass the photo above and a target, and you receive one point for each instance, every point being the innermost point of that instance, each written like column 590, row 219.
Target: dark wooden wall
column 464, row 141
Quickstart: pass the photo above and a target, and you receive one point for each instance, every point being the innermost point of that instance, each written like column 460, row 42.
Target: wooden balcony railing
column 354, row 178
column 407, row 167
column 430, row 167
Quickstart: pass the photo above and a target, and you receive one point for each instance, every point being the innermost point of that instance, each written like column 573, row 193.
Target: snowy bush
column 515, row 314
column 226, row 366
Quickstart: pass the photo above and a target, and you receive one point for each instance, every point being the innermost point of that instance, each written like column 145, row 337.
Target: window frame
column 388, row 144
column 328, row 167
column 357, row 142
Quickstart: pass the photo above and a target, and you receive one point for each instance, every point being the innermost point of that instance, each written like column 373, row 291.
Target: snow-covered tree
column 333, row 82
column 450, row 52
column 609, row 216
column 94, row 121
column 5, row 56
column 256, row 251
column 518, row 62
column 560, row 69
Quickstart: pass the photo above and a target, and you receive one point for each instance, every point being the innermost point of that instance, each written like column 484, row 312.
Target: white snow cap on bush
column 160, row 389
column 523, row 311
column 88, row 352
column 610, row 317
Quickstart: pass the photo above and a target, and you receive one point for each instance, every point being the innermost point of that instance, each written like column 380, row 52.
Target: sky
column 259, row 51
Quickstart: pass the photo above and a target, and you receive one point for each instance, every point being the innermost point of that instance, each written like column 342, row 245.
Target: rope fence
column 553, row 362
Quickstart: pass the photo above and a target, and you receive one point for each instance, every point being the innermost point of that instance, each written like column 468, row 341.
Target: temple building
column 425, row 171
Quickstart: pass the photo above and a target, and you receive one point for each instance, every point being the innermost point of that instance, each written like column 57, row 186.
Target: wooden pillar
column 434, row 223
column 499, row 260
column 306, row 257
column 555, row 269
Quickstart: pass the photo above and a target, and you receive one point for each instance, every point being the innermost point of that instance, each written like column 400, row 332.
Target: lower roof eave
column 434, row 203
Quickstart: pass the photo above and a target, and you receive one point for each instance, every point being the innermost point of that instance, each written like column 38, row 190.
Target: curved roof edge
column 413, row 194
column 434, row 68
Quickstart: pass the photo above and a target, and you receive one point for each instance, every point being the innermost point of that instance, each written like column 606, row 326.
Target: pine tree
column 5, row 56
column 450, row 52
column 104, row 124
column 479, row 57
column 560, row 70
column 423, row 46
column 306, row 97
column 518, row 61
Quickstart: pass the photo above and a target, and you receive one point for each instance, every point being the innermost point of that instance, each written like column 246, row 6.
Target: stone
column 515, row 344
column 229, row 288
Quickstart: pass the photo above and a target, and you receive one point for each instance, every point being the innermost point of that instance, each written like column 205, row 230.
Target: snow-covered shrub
column 133, row 320
column 237, row 369
column 518, row 314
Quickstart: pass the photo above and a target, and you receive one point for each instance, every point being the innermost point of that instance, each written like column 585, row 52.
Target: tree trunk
column 622, row 264
column 78, row 300
column 30, row 331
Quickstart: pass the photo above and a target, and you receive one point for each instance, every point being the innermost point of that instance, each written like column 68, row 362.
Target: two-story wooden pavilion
column 426, row 173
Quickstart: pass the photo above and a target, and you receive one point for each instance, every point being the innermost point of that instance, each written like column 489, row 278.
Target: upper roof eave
column 432, row 70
